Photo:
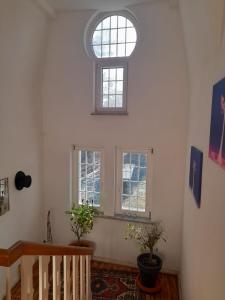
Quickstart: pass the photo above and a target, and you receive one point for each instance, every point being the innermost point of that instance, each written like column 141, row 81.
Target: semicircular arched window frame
column 111, row 40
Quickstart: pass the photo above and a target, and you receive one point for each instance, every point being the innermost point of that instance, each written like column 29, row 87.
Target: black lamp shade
column 22, row 180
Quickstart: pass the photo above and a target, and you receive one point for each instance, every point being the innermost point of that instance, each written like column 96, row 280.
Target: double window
column 132, row 184
column 111, row 39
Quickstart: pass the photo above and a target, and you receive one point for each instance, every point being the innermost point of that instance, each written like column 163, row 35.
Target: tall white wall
column 157, row 105
column 22, row 37
column 203, row 262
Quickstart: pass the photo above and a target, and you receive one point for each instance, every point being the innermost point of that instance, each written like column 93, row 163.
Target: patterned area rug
column 106, row 284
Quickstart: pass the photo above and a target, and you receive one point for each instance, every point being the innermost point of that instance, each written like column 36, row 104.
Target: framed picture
column 195, row 175
column 4, row 196
column 217, row 130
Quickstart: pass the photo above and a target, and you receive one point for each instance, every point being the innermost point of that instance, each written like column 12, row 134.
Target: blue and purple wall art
column 217, row 131
column 195, row 175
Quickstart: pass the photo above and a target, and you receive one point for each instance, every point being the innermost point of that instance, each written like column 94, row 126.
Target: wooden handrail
column 11, row 255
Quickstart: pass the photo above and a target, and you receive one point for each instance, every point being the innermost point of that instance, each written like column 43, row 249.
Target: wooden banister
column 9, row 256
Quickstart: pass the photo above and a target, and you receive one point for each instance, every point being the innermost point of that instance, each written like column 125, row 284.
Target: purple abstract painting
column 217, row 131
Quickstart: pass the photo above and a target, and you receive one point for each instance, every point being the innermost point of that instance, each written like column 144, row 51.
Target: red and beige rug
column 107, row 284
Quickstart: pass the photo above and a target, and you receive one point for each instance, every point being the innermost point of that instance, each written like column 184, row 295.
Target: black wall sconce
column 22, row 180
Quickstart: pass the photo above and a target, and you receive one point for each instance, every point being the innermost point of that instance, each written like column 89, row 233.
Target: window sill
column 109, row 113
column 126, row 218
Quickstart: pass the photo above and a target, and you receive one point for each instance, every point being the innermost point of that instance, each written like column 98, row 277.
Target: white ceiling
column 94, row 4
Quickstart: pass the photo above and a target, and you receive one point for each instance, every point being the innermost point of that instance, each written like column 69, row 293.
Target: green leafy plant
column 147, row 236
column 82, row 218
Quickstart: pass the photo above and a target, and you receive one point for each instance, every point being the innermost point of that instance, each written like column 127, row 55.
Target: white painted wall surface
column 203, row 262
column 157, row 106
column 22, row 37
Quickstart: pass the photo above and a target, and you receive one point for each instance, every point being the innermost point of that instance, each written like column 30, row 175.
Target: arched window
column 111, row 39
column 115, row 36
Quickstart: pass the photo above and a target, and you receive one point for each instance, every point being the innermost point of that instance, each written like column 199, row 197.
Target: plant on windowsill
column 147, row 236
column 82, row 220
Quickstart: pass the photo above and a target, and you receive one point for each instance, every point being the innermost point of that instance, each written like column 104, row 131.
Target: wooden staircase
column 69, row 267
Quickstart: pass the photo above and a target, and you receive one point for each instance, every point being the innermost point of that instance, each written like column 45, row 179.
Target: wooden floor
column 169, row 283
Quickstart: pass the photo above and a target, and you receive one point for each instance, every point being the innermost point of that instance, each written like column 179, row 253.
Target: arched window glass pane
column 115, row 36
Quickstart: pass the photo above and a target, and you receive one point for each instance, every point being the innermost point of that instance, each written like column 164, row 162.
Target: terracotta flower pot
column 84, row 243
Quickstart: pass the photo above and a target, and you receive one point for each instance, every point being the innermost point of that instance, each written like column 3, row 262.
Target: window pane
column 129, row 24
column 112, row 87
column 83, row 171
column 126, row 187
column 135, row 158
column 133, row 196
column 96, row 199
column 105, row 74
column 112, row 32
column 125, row 202
column 129, row 48
column 97, row 171
column 114, row 21
column 127, row 171
column 142, row 189
column 131, row 35
column 97, row 157
column 126, row 158
column 98, row 51
column 82, row 197
column 113, row 50
column 105, row 51
column 90, row 185
column 105, row 88
column 114, row 36
column 90, row 170
column 106, row 23
column 134, row 188
column 143, row 160
column 99, row 27
column 97, row 38
column 119, row 101
column 105, row 101
column 121, row 21
column 83, row 184
column 112, row 74
column 135, row 173
column 119, row 87
column 121, row 35
column 97, row 185
column 83, row 157
column 121, row 50
column 89, row 176
column 90, row 157
column 141, row 204
column 133, row 204
column 105, row 36
column 90, row 196
column 119, row 73
column 112, row 101
column 142, row 174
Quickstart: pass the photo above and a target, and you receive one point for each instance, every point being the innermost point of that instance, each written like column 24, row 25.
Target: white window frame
column 75, row 173
column 119, row 187
column 110, row 63
column 100, row 63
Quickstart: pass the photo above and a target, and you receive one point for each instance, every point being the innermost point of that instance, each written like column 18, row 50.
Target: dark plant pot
column 149, row 272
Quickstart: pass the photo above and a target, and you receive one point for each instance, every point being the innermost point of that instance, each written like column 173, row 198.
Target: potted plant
column 147, row 236
column 82, row 221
